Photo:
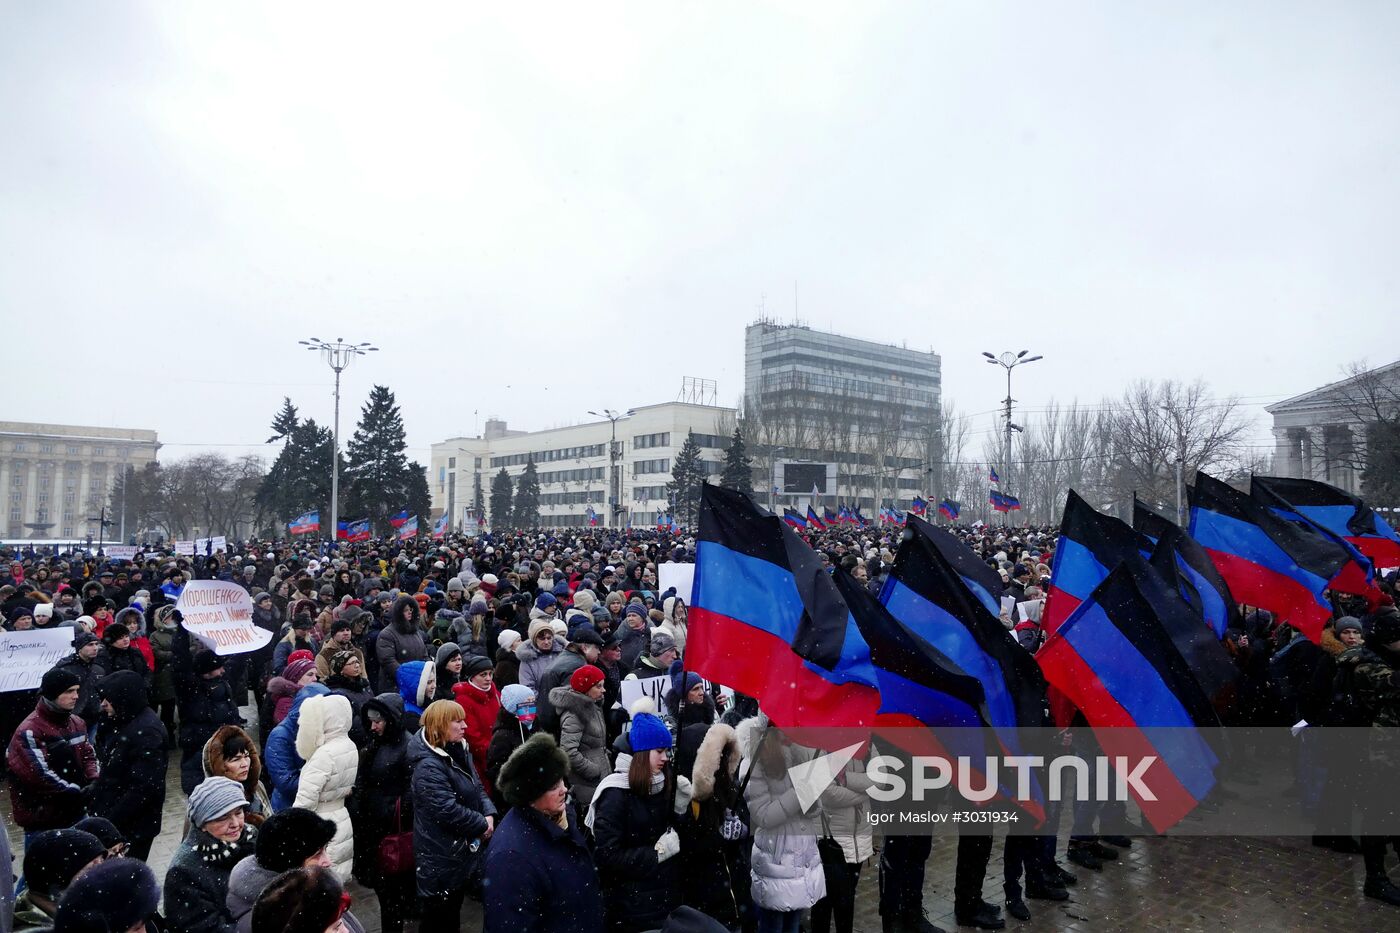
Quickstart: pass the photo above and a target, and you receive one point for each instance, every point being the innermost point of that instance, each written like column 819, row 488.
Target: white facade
column 573, row 463
column 56, row 476
column 1318, row 434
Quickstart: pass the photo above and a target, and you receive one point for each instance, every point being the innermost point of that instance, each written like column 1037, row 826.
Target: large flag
column 950, row 509
column 305, row 523
column 1115, row 661
column 1089, row 547
column 767, row 620
column 1357, row 576
column 976, row 574
column 409, row 529
column 998, row 501
column 358, row 531
column 1268, row 561
column 814, row 520
column 919, row 506
column 398, row 520
column 1178, row 558
column 794, row 519
column 440, row 527
column 1339, row 512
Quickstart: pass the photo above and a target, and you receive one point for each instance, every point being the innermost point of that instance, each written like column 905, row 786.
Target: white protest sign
column 25, row 656
column 681, row 576
column 201, row 546
column 121, row 551
column 220, row 614
column 656, row 688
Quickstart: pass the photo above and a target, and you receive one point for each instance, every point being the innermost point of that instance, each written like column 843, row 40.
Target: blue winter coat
column 281, row 758
column 449, row 812
column 540, row 878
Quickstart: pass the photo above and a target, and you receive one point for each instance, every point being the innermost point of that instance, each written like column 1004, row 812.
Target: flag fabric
column 794, row 519
column 814, row 520
column 1179, row 559
column 843, row 515
column 1339, row 512
column 767, row 620
column 950, row 509
column 919, row 506
column 1357, row 576
column 829, row 517
column 981, row 581
column 408, row 529
column 358, row 531
column 305, row 523
column 1012, row 503
column 398, row 520
column 992, row 474
column 998, row 501
column 592, row 516
column 1089, row 547
column 342, row 530
column 1267, row 560
column 1113, row 659
column 440, row 527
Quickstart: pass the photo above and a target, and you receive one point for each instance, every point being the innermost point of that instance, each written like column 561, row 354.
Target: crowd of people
column 443, row 719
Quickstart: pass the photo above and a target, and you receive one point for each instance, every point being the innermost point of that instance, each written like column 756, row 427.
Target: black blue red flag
column 1267, row 560
column 767, row 620
column 1114, row 660
column 814, row 520
column 973, row 572
column 1178, row 558
column 950, row 509
column 794, row 519
column 1358, row 576
column 1089, row 547
column 1341, row 513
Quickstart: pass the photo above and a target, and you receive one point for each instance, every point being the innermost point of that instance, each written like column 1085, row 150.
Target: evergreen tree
column 478, row 502
column 300, row 478
column 285, row 422
column 419, row 498
column 687, row 476
column 738, row 468
column 526, row 511
column 500, row 501
column 378, row 477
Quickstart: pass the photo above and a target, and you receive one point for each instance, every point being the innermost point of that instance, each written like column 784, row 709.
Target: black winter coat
column 638, row 890
column 547, row 718
column 449, row 812
column 130, row 789
column 124, row 659
column 506, row 736
column 384, row 779
column 196, row 884
column 88, row 674
column 540, row 878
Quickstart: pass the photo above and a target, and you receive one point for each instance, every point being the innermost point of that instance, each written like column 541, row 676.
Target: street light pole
column 1009, row 361
column 338, row 356
column 1180, row 463
column 773, row 478
column 614, row 465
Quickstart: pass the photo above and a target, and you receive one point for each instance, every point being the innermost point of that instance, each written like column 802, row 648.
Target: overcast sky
column 533, row 215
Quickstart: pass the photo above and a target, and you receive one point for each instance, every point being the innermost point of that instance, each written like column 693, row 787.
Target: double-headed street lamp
column 1009, row 361
column 338, row 356
column 614, row 461
column 773, row 478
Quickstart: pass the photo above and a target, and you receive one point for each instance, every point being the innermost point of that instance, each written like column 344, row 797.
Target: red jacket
column 50, row 761
column 481, row 707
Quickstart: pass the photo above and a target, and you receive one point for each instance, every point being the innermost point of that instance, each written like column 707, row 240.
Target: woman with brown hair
column 632, row 821
column 452, row 814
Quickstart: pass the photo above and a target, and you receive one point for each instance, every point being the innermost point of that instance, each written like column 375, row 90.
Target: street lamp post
column 1009, row 361
column 1180, row 462
column 614, row 464
column 338, row 356
column 773, row 478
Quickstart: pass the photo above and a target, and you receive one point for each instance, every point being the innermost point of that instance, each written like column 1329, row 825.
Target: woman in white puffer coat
column 328, row 777
column 787, row 866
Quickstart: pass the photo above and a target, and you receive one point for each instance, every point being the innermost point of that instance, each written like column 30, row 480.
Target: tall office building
column 852, row 419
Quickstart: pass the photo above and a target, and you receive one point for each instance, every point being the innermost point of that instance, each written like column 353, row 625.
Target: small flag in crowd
column 992, row 474
column 305, row 523
column 829, row 517
column 950, row 509
column 794, row 519
column 998, row 501
column 919, row 506
column 440, row 527
column 354, row 531
column 408, row 528
column 398, row 520
column 592, row 516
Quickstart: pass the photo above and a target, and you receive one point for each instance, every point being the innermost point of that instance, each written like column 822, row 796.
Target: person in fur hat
column 232, row 753
column 118, row 894
column 540, row 877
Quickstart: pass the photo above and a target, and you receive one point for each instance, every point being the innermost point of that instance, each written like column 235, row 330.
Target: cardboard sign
column 681, row 576
column 657, row 687
column 220, row 614
column 201, row 546
column 26, row 656
column 121, row 551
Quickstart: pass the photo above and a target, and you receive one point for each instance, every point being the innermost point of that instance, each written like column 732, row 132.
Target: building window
column 45, row 448
column 478, row 462
column 72, row 450
column 14, row 515
column 643, row 441
column 43, row 482
column 19, row 447
column 67, row 531
column 452, row 463
column 99, row 451
column 17, row 479
column 644, row 467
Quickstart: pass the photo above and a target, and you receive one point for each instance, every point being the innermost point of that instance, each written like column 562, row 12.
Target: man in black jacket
column 130, row 788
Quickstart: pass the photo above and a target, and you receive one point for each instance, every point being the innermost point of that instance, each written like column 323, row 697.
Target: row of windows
column 72, row 450
column 582, row 475
column 643, row 441
column 550, row 456
column 579, row 497
column 644, row 467
column 643, row 493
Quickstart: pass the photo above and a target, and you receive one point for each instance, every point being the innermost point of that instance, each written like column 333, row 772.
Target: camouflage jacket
column 1375, row 683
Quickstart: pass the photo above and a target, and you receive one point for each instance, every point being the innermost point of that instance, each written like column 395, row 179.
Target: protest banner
column 220, row 614
column 201, row 546
column 657, row 687
column 121, row 551
column 681, row 576
column 25, row 656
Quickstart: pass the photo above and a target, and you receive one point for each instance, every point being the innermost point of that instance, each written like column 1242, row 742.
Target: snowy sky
column 540, row 210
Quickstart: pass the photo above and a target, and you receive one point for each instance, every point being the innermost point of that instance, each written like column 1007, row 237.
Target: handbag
column 395, row 853
column 839, row 881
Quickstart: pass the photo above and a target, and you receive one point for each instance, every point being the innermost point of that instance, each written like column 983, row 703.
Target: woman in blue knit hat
column 632, row 819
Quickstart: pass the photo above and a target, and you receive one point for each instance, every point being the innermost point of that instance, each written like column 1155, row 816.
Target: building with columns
column 1322, row 434
column 56, row 477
